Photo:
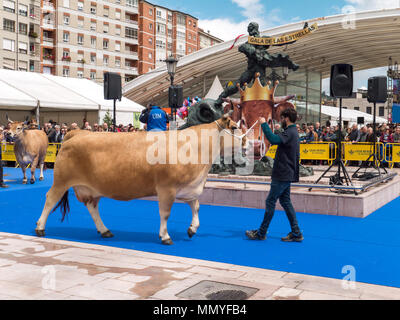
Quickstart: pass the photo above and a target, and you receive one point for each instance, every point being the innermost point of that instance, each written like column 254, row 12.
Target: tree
column 108, row 118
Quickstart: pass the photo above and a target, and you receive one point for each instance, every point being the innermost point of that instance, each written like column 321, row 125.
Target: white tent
column 349, row 115
column 59, row 98
column 215, row 90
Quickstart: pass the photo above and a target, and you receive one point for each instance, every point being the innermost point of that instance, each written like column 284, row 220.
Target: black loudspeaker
column 360, row 120
column 377, row 89
column 341, row 80
column 175, row 97
column 112, row 86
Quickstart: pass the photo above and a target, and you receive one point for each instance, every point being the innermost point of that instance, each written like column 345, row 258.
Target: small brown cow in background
column 30, row 148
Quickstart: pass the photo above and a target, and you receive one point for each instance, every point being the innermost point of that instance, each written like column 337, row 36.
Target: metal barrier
column 361, row 151
column 392, row 153
column 9, row 155
column 324, row 151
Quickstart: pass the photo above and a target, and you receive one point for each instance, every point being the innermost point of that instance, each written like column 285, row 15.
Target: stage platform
column 245, row 194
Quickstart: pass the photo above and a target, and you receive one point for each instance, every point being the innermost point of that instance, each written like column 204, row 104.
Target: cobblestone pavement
column 40, row 268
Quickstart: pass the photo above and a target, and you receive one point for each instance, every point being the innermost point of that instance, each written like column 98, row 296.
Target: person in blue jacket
column 155, row 118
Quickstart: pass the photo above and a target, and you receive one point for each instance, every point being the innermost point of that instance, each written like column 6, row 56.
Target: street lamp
column 171, row 67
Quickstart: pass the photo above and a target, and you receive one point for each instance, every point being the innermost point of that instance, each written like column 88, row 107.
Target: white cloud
column 362, row 5
column 251, row 10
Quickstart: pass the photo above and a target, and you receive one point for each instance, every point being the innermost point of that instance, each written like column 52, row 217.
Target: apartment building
column 19, row 36
column 207, row 40
column 164, row 32
column 85, row 38
column 93, row 37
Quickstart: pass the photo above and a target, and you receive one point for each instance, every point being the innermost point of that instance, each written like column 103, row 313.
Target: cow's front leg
column 195, row 206
column 166, row 198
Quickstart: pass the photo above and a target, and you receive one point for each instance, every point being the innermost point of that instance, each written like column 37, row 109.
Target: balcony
column 47, row 41
column 129, row 20
column 48, row 6
column 133, row 70
column 48, row 24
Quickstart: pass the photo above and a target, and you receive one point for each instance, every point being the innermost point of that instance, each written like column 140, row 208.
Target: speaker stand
column 341, row 175
column 375, row 161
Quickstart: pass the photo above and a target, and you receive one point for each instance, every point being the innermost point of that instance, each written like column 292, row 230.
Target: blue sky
column 229, row 18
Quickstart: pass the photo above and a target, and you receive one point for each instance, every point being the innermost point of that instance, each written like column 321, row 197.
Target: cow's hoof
column 41, row 179
column 191, row 233
column 167, row 242
column 32, row 181
column 24, row 181
column 107, row 234
column 40, row 233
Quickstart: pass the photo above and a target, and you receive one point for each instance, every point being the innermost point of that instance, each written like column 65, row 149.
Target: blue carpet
column 369, row 245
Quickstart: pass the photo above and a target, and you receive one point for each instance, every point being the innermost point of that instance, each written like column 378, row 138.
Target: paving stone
column 286, row 294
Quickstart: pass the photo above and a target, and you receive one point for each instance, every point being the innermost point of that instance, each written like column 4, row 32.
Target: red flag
column 234, row 42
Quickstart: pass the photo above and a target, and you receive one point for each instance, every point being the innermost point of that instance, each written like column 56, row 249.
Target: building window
column 117, row 47
column 169, row 17
column 93, row 42
column 9, row 25
column 150, row 26
column 23, row 47
column 80, row 5
column 105, row 28
column 23, row 28
column 117, row 62
column 181, row 19
column 23, row 10
column 131, row 3
column 92, row 75
column 80, row 39
column 66, row 20
column 9, row 6
column 93, row 58
column 131, row 33
column 9, row 64
column 105, row 44
column 150, row 55
column 93, row 9
column 151, row 40
column 105, row 60
column 80, row 23
column 93, row 26
column 190, row 22
column 381, row 111
column 160, row 28
column 106, row 12
column 357, row 108
column 65, row 54
column 151, row 12
column 66, row 37
column 66, row 3
column 9, row 45
column 118, row 15
column 118, row 31
column 369, row 110
column 65, row 72
column 80, row 74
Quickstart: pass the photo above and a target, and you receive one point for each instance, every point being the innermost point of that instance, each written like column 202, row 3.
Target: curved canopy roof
column 368, row 45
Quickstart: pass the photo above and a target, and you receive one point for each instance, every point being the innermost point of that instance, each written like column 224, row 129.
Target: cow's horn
column 8, row 119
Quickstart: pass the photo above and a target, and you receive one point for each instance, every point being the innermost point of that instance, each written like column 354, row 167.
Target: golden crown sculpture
column 257, row 91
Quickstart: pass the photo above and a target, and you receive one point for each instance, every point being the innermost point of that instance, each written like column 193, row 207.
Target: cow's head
column 226, row 122
column 16, row 128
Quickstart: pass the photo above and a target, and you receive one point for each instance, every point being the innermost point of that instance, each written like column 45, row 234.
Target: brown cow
column 117, row 166
column 30, row 148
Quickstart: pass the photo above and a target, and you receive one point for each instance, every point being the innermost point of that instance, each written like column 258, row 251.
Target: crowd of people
column 56, row 132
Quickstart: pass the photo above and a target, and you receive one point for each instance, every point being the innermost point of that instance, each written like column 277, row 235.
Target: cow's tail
column 63, row 204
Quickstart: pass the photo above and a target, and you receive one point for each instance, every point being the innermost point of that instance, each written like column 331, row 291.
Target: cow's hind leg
column 52, row 197
column 166, row 198
column 41, row 177
column 93, row 207
column 33, row 169
column 25, row 179
column 195, row 206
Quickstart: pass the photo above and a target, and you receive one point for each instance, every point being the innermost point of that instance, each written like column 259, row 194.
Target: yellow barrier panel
column 392, row 153
column 272, row 152
column 325, row 151
column 9, row 155
column 361, row 151
column 318, row 151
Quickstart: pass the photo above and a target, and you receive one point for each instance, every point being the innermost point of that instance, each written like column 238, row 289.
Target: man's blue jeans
column 279, row 190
